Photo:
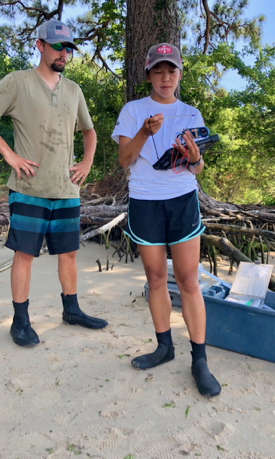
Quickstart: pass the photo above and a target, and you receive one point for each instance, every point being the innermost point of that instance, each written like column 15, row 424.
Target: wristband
column 196, row 163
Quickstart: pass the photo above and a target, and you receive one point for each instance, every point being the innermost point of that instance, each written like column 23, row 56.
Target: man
column 44, row 183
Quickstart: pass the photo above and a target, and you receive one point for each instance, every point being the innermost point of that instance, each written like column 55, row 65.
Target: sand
column 76, row 393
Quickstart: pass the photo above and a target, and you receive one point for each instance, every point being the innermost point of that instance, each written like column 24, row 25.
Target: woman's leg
column 155, row 265
column 185, row 257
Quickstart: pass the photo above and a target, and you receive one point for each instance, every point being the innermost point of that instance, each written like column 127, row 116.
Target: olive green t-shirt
column 44, row 125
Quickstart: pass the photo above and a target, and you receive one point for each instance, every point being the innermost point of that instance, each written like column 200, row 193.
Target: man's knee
column 68, row 255
column 21, row 257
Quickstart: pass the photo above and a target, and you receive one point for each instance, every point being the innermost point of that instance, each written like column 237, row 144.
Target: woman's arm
column 193, row 152
column 129, row 149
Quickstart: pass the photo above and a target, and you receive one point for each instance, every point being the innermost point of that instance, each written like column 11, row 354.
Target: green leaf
column 169, row 405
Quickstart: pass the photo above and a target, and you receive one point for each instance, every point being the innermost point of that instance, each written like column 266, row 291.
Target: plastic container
column 171, row 277
column 241, row 328
column 233, row 326
column 216, row 291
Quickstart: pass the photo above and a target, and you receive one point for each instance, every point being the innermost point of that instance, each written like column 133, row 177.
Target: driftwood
column 239, row 233
column 231, row 229
column 103, row 229
column 99, row 215
column 4, row 210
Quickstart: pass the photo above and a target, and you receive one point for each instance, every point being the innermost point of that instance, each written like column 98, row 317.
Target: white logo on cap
column 164, row 49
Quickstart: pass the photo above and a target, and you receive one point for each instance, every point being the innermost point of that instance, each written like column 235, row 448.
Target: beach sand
column 76, row 393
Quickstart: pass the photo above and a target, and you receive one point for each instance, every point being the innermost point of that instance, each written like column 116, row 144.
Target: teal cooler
column 240, row 328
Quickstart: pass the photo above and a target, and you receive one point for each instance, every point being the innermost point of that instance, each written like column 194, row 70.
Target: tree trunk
column 148, row 22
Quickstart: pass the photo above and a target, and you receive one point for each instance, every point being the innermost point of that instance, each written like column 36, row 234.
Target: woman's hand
column 129, row 149
column 152, row 125
column 192, row 148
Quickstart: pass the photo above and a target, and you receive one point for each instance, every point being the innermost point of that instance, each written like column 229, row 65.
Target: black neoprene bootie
column 73, row 315
column 206, row 383
column 164, row 353
column 21, row 331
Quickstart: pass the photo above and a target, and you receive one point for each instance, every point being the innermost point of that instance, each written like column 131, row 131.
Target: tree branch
column 207, row 29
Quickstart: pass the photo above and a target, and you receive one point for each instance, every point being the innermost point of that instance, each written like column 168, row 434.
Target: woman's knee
column 156, row 278
column 188, row 283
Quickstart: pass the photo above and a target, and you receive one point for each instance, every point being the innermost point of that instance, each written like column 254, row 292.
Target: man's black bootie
column 21, row 331
column 164, row 353
column 206, row 383
column 73, row 315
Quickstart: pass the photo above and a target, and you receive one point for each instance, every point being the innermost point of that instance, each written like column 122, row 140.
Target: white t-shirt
column 145, row 182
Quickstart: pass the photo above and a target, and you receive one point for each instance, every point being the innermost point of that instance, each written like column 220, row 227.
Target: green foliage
column 241, row 167
column 7, row 65
column 226, row 22
column 104, row 95
column 102, row 25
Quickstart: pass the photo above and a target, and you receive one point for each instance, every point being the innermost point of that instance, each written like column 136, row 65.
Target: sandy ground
column 76, row 393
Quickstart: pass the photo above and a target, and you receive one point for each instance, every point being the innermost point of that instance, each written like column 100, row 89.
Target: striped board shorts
column 32, row 219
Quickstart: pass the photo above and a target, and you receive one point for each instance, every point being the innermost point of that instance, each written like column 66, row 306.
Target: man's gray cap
column 56, row 32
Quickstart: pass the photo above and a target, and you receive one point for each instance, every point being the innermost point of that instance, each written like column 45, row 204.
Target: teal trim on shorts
column 188, row 238
column 140, row 241
column 197, row 232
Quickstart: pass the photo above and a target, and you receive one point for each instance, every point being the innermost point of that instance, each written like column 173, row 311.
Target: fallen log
column 103, row 229
column 102, row 210
column 4, row 219
column 93, row 221
column 240, row 229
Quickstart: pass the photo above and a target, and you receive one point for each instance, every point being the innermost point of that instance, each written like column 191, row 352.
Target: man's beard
column 58, row 67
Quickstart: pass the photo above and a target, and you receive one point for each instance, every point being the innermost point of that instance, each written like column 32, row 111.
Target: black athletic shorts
column 169, row 221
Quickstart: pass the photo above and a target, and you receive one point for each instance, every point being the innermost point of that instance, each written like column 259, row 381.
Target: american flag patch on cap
column 61, row 30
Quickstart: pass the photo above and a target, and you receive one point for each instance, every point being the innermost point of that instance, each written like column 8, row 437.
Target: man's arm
column 82, row 169
column 15, row 161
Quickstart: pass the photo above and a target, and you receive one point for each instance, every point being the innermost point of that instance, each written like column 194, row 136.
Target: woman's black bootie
column 164, row 353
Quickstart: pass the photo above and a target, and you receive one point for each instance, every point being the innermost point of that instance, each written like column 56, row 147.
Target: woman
column 164, row 209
